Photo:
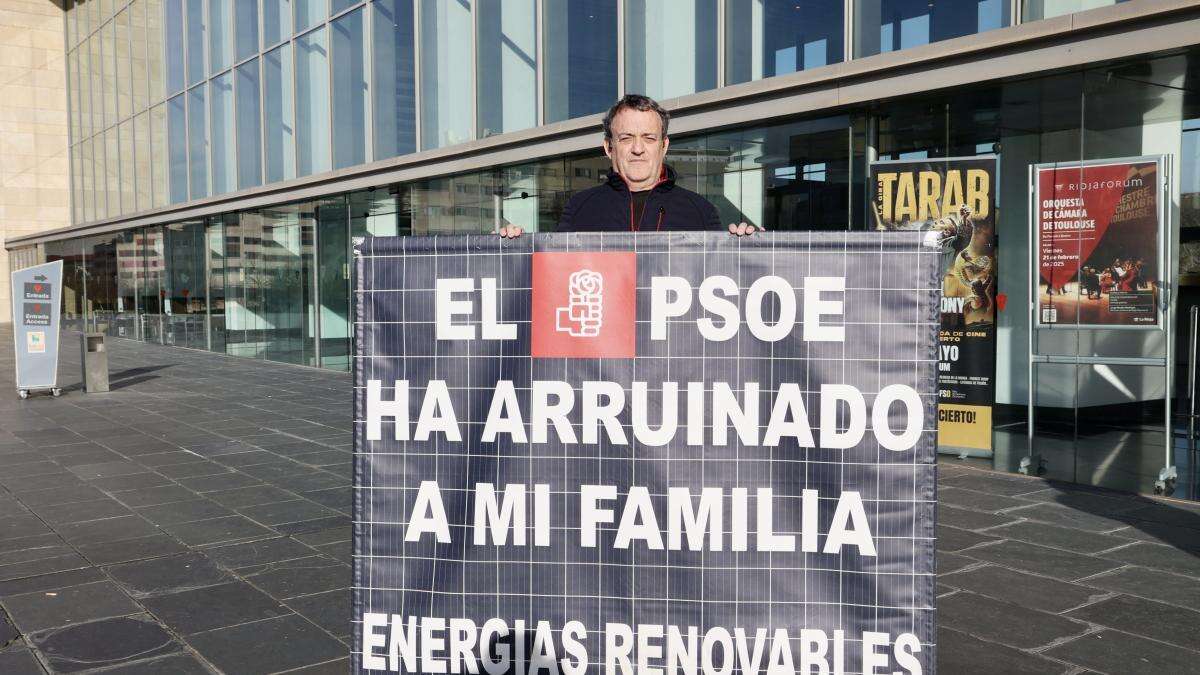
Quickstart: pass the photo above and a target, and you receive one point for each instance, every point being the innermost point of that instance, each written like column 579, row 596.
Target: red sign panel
column 584, row 305
column 1098, row 244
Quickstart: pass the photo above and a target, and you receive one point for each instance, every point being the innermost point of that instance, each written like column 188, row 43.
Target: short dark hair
column 635, row 102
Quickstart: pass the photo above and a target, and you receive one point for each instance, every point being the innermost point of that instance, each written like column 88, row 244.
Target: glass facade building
column 251, row 108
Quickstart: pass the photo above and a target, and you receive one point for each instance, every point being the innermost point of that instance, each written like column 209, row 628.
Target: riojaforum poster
column 1099, row 243
column 630, row 453
column 953, row 201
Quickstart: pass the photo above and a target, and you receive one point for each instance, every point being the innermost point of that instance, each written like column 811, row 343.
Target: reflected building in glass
column 222, row 155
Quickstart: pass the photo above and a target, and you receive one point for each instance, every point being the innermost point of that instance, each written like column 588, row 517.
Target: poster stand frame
column 1033, row 463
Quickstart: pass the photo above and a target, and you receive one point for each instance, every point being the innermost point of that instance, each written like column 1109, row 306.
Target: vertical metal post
column 418, row 94
column 1191, row 390
column 1031, row 310
column 620, row 48
column 539, row 63
column 848, row 42
column 721, row 76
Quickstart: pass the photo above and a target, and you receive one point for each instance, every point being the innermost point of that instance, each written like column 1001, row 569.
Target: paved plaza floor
column 196, row 519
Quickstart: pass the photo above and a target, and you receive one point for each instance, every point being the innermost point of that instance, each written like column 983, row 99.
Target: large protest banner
column 616, row 453
column 1099, row 243
column 954, row 200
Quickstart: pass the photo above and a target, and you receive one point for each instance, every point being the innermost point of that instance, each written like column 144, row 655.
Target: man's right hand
column 510, row 232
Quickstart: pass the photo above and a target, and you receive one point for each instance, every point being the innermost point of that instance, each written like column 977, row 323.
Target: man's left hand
column 744, row 229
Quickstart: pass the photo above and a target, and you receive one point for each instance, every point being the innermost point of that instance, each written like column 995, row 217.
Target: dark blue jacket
column 609, row 208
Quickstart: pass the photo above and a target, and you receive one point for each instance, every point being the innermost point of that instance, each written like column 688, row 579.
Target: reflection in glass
column 890, row 25
column 108, row 75
column 312, row 103
column 219, row 43
column 149, row 244
column 123, row 60
column 126, row 165
column 197, row 143
column 269, row 285
column 248, row 131
column 143, row 164
column 580, row 43
column 97, row 68
column 333, row 246
column 100, row 175
column 99, row 272
column 224, row 161
column 349, row 91
column 155, row 54
column 507, row 62
column 83, row 93
column 309, row 13
column 277, row 21
column 196, row 38
column 161, row 157
column 88, row 186
column 185, row 297
column 1045, row 9
column 173, row 18
column 765, row 38
column 246, row 28
column 446, row 67
column 278, row 115
column 215, row 243
column 138, row 65
column 393, row 65
column 128, row 263
column 670, row 47
column 112, row 171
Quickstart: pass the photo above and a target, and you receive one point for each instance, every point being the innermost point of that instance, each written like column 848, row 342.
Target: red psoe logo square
column 584, row 305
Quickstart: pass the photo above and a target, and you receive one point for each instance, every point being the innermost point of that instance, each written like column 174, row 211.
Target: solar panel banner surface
column 619, row 453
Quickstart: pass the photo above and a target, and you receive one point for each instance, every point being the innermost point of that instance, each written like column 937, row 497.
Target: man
column 640, row 194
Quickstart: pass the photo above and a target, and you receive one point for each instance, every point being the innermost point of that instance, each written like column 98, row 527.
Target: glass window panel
column 580, row 61
column 77, row 184
column 248, row 131
column 138, row 64
column 160, row 157
column 277, row 21
column 173, row 29
column 73, row 92
column 126, row 166
column 393, row 69
column 333, row 278
column 214, row 237
column 177, row 144
column 1044, row 9
column 108, row 46
column 507, row 62
column 246, row 28
column 143, row 163
column 224, row 166
column 349, row 91
column 150, row 305
column 889, row 25
column 670, row 47
column 279, row 115
column 336, row 6
column 765, row 38
column 446, row 67
column 83, row 93
column 88, row 191
column 112, row 172
column 196, row 39
column 309, row 13
column 99, row 283
column 185, row 301
column 312, row 103
column 96, row 62
column 197, row 143
column 128, row 263
column 155, row 56
column 70, row 25
column 220, row 45
column 122, row 75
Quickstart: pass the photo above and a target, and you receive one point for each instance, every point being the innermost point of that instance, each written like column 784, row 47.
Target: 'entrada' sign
column 628, row 453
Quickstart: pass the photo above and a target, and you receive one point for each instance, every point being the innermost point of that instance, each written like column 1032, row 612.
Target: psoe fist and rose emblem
column 584, row 305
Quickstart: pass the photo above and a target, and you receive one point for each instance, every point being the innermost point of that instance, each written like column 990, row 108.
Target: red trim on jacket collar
column 662, row 178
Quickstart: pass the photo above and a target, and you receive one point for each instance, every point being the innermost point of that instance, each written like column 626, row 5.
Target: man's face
column 637, row 147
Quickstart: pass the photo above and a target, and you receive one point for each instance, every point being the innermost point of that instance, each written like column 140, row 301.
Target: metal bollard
column 95, row 363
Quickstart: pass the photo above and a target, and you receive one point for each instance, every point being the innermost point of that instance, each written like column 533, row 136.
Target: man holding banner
column 640, row 193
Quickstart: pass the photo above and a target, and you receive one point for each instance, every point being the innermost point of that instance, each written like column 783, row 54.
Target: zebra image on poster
column 627, row 453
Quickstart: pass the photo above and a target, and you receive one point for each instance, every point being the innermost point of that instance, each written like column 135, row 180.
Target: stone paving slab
column 195, row 519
